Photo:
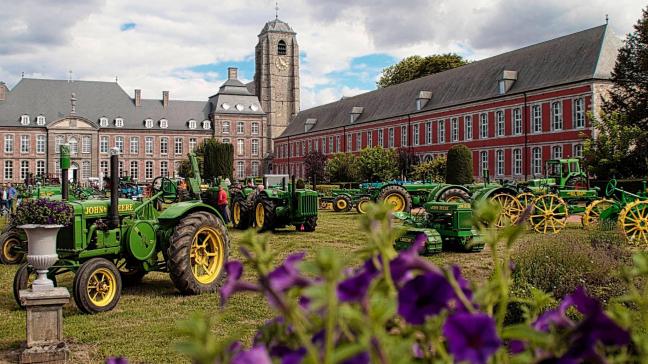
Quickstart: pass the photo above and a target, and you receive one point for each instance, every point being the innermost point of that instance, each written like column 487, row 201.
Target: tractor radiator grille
column 307, row 206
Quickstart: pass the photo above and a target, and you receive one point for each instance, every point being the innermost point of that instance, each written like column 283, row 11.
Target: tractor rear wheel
column 239, row 212
column 342, row 203
column 576, row 183
column 634, row 222
column 97, row 286
column 549, row 214
column 454, row 194
column 264, row 214
column 510, row 209
column 23, row 279
column 525, row 198
column 397, row 197
column 198, row 251
column 10, row 246
column 362, row 205
column 592, row 217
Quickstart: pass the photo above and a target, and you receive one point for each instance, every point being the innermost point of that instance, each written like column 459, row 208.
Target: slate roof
column 233, row 97
column 277, row 26
column 586, row 55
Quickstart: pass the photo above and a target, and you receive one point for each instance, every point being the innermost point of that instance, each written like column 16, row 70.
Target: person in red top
column 222, row 203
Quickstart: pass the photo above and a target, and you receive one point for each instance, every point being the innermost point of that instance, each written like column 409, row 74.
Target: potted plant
column 41, row 219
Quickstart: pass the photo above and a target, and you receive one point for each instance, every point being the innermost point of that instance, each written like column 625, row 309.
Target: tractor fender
column 442, row 188
column 178, row 210
column 488, row 192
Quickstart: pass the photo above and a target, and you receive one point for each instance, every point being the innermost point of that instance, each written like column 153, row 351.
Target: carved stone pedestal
column 44, row 326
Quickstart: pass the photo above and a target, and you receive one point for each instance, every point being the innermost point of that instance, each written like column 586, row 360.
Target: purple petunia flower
column 116, row 360
column 287, row 275
column 354, row 288
column 234, row 283
column 422, row 296
column 256, row 355
column 471, row 337
column 360, row 358
column 408, row 260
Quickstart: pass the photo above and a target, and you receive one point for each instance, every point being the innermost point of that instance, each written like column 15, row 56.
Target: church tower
column 276, row 78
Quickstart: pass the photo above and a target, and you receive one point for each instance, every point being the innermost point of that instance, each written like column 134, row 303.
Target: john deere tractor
column 279, row 204
column 114, row 242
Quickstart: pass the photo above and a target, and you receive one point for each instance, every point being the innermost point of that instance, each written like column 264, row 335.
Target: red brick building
column 513, row 110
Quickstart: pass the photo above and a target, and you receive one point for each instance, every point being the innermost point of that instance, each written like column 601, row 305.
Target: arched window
column 74, row 146
column 281, row 48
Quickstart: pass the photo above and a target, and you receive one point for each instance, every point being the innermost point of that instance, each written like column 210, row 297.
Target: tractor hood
column 99, row 208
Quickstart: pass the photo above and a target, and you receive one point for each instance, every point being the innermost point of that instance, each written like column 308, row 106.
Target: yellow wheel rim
column 102, row 287
column 396, row 201
column 454, row 199
column 362, row 206
column 510, row 209
column 236, row 216
column 634, row 222
column 591, row 218
column 7, row 249
column 549, row 215
column 341, row 204
column 207, row 254
column 525, row 199
column 260, row 215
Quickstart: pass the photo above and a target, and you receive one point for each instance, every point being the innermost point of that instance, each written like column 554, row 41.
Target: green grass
column 142, row 326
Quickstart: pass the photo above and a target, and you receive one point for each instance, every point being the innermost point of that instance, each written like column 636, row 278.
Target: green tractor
column 446, row 226
column 114, row 242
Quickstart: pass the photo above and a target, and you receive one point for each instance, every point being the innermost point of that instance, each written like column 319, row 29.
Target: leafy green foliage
column 406, row 161
column 342, row 167
column 378, row 164
column 433, row 170
column 413, row 67
column 459, row 165
column 315, row 164
column 215, row 159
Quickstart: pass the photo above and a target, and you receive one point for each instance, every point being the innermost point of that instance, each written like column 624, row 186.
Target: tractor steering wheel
column 611, row 187
column 167, row 187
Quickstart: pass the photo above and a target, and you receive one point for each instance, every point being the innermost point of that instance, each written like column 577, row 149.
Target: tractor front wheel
column 397, row 197
column 549, row 215
column 23, row 279
column 198, row 251
column 11, row 247
column 264, row 214
column 510, row 209
column 240, row 214
column 454, row 194
column 97, row 286
column 592, row 217
column 362, row 205
column 634, row 222
column 342, row 203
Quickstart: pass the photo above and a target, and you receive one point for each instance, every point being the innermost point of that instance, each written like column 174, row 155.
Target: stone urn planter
column 41, row 252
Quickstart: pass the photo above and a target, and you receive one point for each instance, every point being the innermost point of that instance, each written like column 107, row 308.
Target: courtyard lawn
column 143, row 325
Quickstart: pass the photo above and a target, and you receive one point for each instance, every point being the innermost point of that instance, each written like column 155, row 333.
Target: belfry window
column 281, row 48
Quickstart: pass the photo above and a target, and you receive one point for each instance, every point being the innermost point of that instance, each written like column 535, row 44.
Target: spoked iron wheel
column 591, row 218
column 525, row 199
column 510, row 209
column 549, row 215
column 634, row 222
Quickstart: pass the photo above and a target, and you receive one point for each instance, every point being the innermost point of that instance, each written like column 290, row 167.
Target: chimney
column 232, row 73
column 3, row 91
column 138, row 97
column 165, row 99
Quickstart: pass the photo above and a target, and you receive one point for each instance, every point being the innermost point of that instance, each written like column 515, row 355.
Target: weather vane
column 73, row 101
column 606, row 19
column 276, row 10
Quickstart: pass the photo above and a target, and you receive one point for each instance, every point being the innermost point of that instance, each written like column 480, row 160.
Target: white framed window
column 416, row 130
column 255, row 168
column 134, row 145
column 148, row 145
column 349, row 142
column 103, row 122
column 164, row 123
column 119, row 122
column 85, row 169
column 358, row 140
column 556, row 152
column 536, row 161
column 148, row 123
column 454, row 130
column 226, row 140
column 517, row 162
column 74, row 146
column 338, row 143
column 499, row 118
column 310, row 145
column 24, row 144
column 8, row 143
column 468, row 127
column 40, row 168
column 103, row 167
column 134, row 170
column 330, row 145
column 119, row 144
column 40, row 120
column 103, row 144
column 578, row 150
column 24, row 169
column 24, row 119
column 86, row 145
column 192, row 144
column 579, row 113
column 391, row 138
column 255, row 147
column 441, row 132
column 40, row 144
column 225, row 127
column 57, row 168
column 240, row 169
column 58, row 141
column 428, row 132
column 192, row 124
column 369, row 138
column 8, row 170
column 164, row 145
column 148, row 169
column 240, row 147
column 536, row 118
column 206, row 124
column 381, row 137
column 403, row 137
column 178, row 145
column 499, row 158
column 517, row 121
column 483, row 158
column 483, row 126
column 255, row 128
column 240, row 127
column 164, row 168
column 556, row 116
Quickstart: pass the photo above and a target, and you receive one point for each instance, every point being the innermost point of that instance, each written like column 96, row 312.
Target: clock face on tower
column 281, row 63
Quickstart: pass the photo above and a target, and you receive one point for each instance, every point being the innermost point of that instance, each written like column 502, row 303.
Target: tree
column 612, row 152
column 414, row 67
column 406, row 161
column 459, row 169
column 342, row 167
column 215, row 159
column 315, row 162
column 433, row 170
column 378, row 164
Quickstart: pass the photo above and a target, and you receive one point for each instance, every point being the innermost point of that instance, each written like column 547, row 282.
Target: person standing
column 222, row 204
column 4, row 200
column 12, row 195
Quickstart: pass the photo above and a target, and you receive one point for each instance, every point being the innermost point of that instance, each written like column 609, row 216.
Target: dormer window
column 148, row 123
column 119, row 122
column 225, row 106
column 506, row 81
column 422, row 99
column 310, row 123
column 192, row 124
column 40, row 120
column 24, row 120
column 355, row 113
column 281, row 48
column 103, row 122
column 239, row 107
column 254, row 107
column 164, row 123
column 206, row 124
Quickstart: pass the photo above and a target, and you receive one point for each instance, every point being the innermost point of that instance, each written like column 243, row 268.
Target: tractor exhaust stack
column 65, row 165
column 113, row 212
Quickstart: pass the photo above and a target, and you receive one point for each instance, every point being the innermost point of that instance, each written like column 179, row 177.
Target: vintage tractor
column 446, row 225
column 279, row 204
column 241, row 203
column 114, row 242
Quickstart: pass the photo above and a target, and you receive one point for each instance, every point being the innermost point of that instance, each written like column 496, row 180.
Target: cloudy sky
column 186, row 46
